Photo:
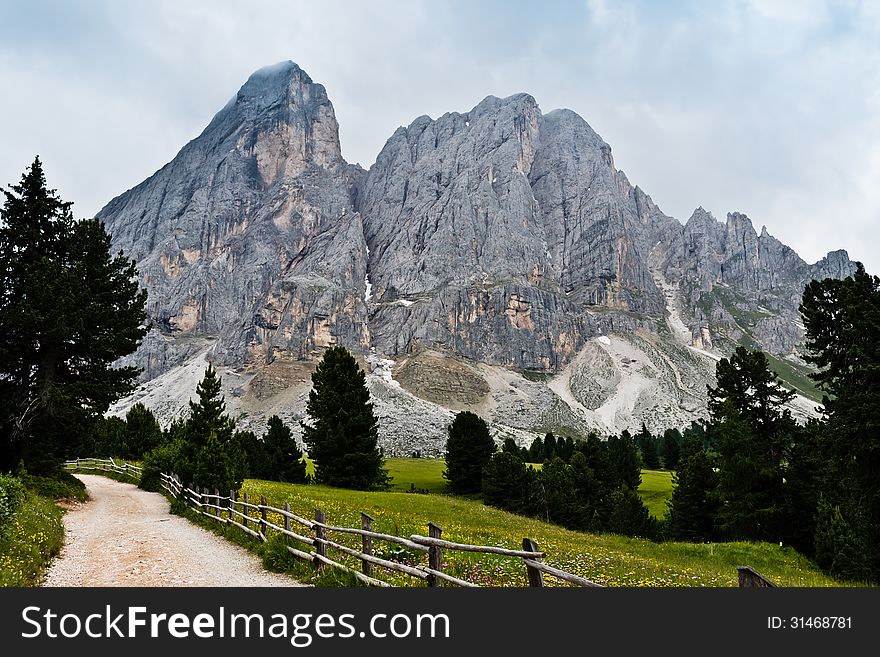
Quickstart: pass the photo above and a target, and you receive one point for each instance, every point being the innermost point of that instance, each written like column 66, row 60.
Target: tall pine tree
column 68, row 310
column 468, row 450
column 285, row 460
column 842, row 321
column 208, row 452
column 693, row 507
column 342, row 436
column 755, row 434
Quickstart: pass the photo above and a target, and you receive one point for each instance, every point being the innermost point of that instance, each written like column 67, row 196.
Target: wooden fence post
column 217, row 503
column 263, row 516
column 535, row 576
column 320, row 537
column 287, row 518
column 435, row 554
column 367, row 543
column 749, row 578
column 247, row 511
column 232, row 505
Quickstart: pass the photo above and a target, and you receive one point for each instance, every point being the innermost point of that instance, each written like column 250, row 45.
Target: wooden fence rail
column 105, row 465
column 254, row 520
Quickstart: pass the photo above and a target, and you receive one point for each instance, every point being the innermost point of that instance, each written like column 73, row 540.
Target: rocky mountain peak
column 493, row 259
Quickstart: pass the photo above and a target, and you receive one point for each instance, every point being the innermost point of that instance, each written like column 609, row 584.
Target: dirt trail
column 124, row 536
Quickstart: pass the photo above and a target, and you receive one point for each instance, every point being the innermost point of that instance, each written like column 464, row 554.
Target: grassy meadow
column 427, row 474
column 606, row 559
column 656, row 488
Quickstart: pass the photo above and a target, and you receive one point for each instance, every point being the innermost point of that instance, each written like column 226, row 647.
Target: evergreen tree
column 106, row 438
column 536, row 451
column 562, row 505
column 208, row 453
column 630, row 516
column 506, row 482
column 342, row 438
column 806, row 477
column 468, row 450
column 509, row 446
column 693, row 507
column 255, row 453
column 142, row 432
column 746, row 382
column 68, row 311
column 842, row 322
column 691, row 444
column 648, row 447
column 625, row 461
column 842, row 547
column 754, row 435
column 697, row 430
column 285, row 459
column 549, row 446
column 592, row 496
column 670, row 448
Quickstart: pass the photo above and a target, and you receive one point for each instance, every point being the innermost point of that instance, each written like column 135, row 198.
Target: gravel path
column 124, row 536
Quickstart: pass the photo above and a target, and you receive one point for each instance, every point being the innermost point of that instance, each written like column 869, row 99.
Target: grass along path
column 35, row 534
column 606, row 559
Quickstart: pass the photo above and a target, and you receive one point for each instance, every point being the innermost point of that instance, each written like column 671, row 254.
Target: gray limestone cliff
column 480, row 248
column 249, row 235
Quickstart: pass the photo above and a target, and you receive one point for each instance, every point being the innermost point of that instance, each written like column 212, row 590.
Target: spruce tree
column 670, row 448
column 807, row 475
column 842, row 322
column 536, row 450
column 693, row 507
column 754, row 435
column 648, row 448
column 625, row 461
column 343, row 432
column 468, row 450
column 255, row 453
column 68, row 311
column 506, row 482
column 630, row 516
column 285, row 460
column 842, row 546
column 562, row 503
column 142, row 432
column 208, row 453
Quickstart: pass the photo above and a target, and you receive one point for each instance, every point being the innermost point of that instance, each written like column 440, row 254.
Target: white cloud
column 765, row 107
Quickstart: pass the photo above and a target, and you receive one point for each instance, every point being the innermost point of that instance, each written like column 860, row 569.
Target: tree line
column 586, row 483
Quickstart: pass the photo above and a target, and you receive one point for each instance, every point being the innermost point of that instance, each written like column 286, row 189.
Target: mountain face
column 249, row 235
column 494, row 260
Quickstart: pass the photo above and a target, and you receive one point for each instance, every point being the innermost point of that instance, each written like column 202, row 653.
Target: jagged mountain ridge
column 478, row 247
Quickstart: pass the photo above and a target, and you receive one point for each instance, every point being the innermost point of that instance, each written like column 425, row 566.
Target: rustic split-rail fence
column 256, row 520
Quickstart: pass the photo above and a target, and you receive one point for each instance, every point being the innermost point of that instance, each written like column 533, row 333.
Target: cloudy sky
column 768, row 107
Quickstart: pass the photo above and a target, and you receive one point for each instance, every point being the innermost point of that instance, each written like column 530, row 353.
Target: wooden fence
column 105, row 465
column 253, row 519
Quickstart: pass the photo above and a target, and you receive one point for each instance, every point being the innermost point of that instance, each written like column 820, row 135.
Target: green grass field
column 656, row 488
column 427, row 474
column 607, row 559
